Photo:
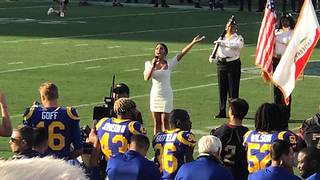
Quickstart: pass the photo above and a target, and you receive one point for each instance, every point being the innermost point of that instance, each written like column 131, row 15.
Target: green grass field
column 82, row 51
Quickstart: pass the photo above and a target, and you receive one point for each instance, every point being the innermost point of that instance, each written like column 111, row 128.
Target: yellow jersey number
column 254, row 160
column 166, row 156
column 52, row 136
column 117, row 138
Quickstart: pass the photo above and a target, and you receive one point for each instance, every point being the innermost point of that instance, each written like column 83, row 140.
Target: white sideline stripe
column 211, row 75
column 45, row 43
column 130, row 70
column 82, row 61
column 77, row 45
column 112, row 47
column 70, row 63
column 123, row 33
column 173, row 72
column 146, row 95
column 92, row 67
column 14, row 63
column 131, row 15
column 200, row 132
column 26, row 7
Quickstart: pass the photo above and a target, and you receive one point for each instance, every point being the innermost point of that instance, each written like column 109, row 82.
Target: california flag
column 305, row 37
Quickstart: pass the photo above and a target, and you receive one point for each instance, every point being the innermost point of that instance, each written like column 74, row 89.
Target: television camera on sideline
column 117, row 91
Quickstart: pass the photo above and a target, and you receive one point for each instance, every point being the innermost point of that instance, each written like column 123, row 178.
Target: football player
column 62, row 8
column 233, row 153
column 174, row 146
column 62, row 123
column 115, row 133
column 268, row 128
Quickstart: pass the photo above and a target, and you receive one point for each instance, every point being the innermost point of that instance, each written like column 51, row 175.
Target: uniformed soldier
column 228, row 61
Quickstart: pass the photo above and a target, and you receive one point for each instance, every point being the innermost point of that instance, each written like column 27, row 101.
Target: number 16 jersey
column 62, row 125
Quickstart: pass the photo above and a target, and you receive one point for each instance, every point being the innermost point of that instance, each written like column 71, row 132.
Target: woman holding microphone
column 159, row 70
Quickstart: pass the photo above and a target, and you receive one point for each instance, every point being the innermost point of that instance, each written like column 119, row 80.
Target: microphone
column 155, row 62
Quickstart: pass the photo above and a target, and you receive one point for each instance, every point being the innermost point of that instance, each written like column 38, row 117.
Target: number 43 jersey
column 258, row 145
column 62, row 125
column 115, row 134
column 170, row 150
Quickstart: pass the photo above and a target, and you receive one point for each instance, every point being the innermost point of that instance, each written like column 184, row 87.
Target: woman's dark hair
column 289, row 17
column 164, row 46
column 268, row 118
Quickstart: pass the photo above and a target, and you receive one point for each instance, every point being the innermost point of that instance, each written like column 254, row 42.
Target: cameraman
column 121, row 90
column 115, row 133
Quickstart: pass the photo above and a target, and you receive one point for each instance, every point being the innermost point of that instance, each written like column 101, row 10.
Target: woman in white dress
column 159, row 69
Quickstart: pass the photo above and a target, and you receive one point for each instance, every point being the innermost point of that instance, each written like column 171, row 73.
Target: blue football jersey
column 258, row 145
column 170, row 150
column 115, row 134
column 62, row 124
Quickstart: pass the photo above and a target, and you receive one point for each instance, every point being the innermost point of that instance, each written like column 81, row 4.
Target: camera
column 84, row 132
column 106, row 110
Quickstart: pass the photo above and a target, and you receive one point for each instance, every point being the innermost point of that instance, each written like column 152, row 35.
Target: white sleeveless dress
column 161, row 96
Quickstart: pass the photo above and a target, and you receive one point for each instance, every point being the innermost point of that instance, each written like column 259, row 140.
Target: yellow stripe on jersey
column 245, row 137
column 26, row 117
column 100, row 122
column 116, row 120
column 71, row 115
column 281, row 134
column 184, row 141
column 132, row 129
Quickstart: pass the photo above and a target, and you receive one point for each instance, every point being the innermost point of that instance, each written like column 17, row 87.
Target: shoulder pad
column 136, row 128
column 100, row 122
column 72, row 113
column 245, row 137
column 28, row 113
column 187, row 138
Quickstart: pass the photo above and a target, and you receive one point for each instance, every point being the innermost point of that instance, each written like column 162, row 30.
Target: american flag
column 266, row 41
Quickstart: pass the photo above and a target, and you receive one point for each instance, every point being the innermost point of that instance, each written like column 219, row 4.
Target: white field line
column 78, row 45
column 70, row 63
column 211, row 75
column 200, row 132
column 112, row 47
column 82, row 61
column 46, row 43
column 131, row 15
column 131, row 70
column 15, row 63
column 92, row 67
column 147, row 95
column 122, row 33
column 25, row 7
